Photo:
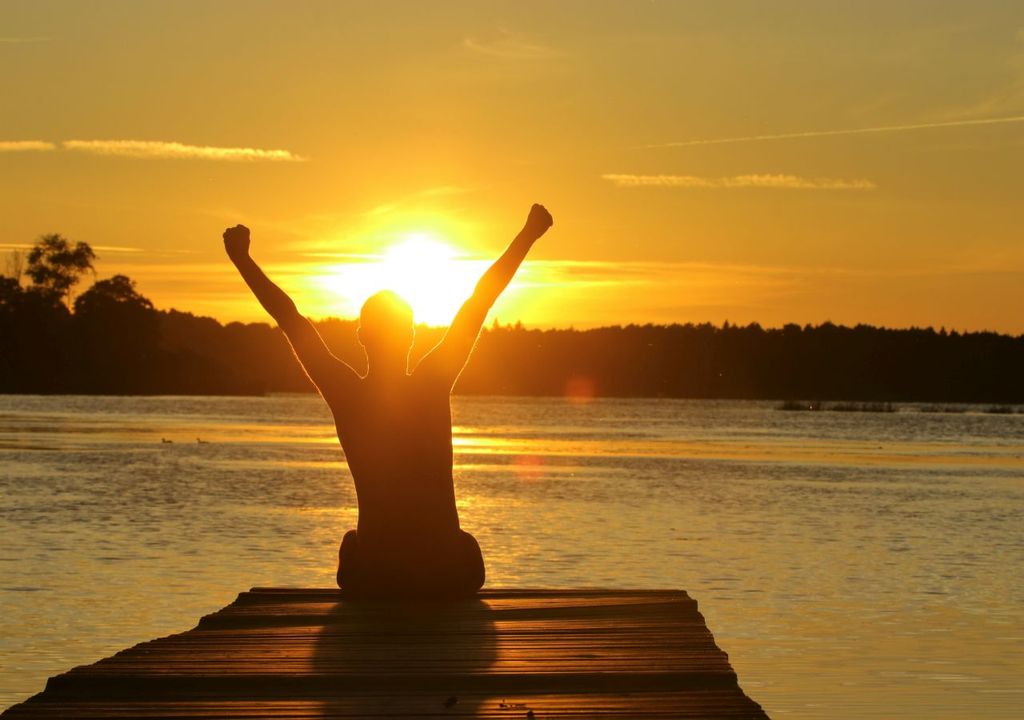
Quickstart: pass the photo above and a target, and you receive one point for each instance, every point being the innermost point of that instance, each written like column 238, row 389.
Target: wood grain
column 510, row 653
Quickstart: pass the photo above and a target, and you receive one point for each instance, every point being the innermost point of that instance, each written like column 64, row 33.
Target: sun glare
column 429, row 273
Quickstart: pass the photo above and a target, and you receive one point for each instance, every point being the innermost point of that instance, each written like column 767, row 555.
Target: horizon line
column 492, row 322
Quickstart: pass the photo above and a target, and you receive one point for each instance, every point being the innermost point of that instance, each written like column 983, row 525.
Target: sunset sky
column 743, row 161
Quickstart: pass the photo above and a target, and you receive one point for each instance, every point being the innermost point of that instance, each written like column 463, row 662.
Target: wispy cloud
column 101, row 248
column 26, row 145
column 510, row 48
column 117, row 248
column 633, row 272
column 158, row 149
column 153, row 149
column 700, row 273
column 772, row 181
column 847, row 131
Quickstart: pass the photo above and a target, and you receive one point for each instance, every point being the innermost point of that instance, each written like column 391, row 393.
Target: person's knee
column 474, row 559
column 348, row 558
column 470, row 544
column 349, row 541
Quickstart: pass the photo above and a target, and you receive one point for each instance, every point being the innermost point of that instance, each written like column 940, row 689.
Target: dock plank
column 305, row 653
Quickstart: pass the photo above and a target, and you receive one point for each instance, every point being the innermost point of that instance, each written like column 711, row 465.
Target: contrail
column 853, row 131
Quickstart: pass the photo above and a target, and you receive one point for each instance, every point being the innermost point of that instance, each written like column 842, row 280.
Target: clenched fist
column 538, row 221
column 236, row 241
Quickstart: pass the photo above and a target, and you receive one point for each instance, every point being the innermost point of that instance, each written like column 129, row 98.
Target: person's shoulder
column 344, row 396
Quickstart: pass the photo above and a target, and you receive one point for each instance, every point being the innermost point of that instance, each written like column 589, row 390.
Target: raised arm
column 450, row 355
column 326, row 371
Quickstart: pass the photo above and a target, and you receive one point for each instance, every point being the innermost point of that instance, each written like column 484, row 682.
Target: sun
column 432, row 276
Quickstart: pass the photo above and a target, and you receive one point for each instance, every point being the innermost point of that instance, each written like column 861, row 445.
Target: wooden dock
column 300, row 653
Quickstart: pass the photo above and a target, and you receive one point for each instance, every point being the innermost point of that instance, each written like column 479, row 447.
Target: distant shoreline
column 783, row 405
column 121, row 348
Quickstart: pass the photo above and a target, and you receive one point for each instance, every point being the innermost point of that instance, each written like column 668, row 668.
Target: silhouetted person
column 395, row 427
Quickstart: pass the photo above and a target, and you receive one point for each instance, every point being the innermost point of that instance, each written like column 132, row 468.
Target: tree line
column 110, row 339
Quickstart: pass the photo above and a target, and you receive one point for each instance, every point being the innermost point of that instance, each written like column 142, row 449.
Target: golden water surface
column 853, row 565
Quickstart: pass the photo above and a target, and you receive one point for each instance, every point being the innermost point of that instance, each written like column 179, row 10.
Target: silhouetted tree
column 34, row 340
column 117, row 333
column 9, row 291
column 56, row 265
column 118, row 294
column 14, row 265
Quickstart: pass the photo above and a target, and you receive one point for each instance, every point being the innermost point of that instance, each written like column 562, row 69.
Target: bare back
column 397, row 438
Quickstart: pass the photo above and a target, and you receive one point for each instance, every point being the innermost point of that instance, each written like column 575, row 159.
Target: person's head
column 386, row 328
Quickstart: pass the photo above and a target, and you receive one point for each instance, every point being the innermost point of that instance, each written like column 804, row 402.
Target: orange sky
column 771, row 162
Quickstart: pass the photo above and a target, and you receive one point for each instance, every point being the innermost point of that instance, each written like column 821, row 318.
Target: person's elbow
column 288, row 318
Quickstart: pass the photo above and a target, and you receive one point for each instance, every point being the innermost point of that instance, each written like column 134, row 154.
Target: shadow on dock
column 406, row 652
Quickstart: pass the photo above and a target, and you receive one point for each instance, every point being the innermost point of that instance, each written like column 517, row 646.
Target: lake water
column 853, row 565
